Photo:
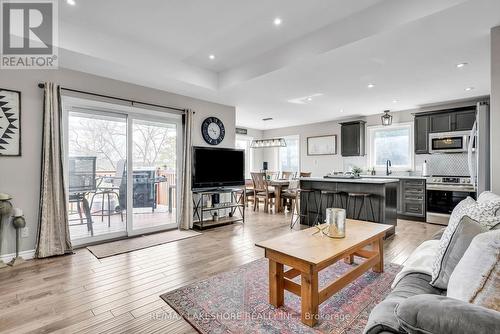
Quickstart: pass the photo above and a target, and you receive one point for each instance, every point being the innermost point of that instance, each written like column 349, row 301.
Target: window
column 243, row 143
column 394, row 143
column 288, row 157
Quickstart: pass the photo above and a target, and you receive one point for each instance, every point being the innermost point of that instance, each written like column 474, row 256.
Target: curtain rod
column 42, row 85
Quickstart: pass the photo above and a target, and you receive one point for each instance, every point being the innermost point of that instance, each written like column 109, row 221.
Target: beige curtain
column 186, row 204
column 53, row 229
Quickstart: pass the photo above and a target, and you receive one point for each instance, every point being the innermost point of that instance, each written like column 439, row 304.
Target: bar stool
column 332, row 195
column 296, row 209
column 364, row 197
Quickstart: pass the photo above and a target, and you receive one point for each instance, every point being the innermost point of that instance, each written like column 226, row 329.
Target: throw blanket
column 420, row 261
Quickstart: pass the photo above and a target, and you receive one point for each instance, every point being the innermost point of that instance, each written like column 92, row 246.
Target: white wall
column 495, row 109
column 20, row 176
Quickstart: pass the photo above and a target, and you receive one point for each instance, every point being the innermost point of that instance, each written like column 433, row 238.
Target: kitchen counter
column 383, row 191
column 363, row 179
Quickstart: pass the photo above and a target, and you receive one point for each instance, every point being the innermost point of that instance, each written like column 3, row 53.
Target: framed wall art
column 10, row 122
column 322, row 145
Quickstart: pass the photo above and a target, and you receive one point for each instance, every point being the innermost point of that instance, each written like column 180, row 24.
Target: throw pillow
column 483, row 213
column 459, row 241
column 476, row 278
column 488, row 196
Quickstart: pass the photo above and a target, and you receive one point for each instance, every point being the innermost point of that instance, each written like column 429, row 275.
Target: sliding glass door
column 154, row 164
column 122, row 170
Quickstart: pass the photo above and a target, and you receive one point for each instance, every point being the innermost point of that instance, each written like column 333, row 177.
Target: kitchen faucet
column 388, row 164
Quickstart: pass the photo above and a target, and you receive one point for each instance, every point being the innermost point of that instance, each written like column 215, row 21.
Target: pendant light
column 265, row 143
column 386, row 118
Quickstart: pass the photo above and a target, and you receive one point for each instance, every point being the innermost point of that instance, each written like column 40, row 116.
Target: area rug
column 237, row 302
column 141, row 242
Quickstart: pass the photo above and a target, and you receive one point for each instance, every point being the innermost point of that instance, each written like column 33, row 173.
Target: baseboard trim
column 27, row 255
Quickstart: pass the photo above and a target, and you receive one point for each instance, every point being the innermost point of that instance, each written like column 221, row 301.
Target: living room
column 297, row 167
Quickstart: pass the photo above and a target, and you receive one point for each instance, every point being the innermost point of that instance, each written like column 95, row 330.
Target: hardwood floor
column 120, row 294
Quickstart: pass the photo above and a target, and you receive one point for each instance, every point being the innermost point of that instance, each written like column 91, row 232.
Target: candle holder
column 18, row 223
column 5, row 209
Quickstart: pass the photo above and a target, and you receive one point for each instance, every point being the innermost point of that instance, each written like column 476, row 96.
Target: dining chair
column 293, row 194
column 249, row 194
column 287, row 175
column 261, row 190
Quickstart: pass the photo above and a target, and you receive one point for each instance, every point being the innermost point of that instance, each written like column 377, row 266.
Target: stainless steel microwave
column 449, row 142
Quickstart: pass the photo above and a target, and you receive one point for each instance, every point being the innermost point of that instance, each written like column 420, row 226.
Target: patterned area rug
column 237, row 302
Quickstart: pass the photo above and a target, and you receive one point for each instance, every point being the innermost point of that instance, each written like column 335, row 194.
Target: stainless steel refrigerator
column 479, row 149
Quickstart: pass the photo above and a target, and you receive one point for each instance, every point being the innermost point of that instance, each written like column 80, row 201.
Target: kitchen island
column 384, row 193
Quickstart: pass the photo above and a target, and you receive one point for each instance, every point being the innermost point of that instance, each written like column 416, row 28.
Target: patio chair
column 108, row 187
column 82, row 181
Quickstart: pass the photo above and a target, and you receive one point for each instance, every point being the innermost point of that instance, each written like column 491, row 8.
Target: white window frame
column 371, row 154
column 248, row 154
column 278, row 155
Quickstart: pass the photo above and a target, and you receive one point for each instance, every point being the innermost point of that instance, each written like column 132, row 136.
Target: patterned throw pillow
column 483, row 213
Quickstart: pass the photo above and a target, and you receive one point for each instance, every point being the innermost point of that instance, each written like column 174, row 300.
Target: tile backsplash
column 444, row 164
column 438, row 164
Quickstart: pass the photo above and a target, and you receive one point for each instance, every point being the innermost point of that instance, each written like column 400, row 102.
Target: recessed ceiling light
column 370, row 85
column 468, row 89
column 277, row 21
column 212, row 57
column 71, row 2
column 267, row 119
column 462, row 65
column 341, row 110
column 309, row 98
column 394, row 101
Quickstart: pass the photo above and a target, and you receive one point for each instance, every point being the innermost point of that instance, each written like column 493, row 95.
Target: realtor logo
column 29, row 34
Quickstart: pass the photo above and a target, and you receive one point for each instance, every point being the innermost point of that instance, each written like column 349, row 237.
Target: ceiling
column 315, row 66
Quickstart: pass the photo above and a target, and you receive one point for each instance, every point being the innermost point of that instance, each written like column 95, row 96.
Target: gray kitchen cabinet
column 421, row 134
column 454, row 120
column 464, row 120
column 352, row 138
column 412, row 198
column 441, row 122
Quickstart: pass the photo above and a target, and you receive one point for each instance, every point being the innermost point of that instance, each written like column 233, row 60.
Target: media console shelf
column 227, row 212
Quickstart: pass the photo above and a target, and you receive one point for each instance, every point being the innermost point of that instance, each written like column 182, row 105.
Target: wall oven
column 444, row 193
column 449, row 142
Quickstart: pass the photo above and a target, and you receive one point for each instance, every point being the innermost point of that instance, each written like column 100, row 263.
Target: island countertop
column 348, row 180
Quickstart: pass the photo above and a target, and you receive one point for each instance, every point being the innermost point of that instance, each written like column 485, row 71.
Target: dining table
column 279, row 185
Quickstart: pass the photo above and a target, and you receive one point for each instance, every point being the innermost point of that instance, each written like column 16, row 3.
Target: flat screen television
column 217, row 167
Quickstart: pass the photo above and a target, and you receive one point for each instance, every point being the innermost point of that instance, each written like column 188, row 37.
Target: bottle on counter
column 425, row 170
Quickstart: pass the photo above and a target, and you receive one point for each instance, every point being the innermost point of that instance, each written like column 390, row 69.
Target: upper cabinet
column 441, row 121
column 421, row 134
column 462, row 120
column 352, row 138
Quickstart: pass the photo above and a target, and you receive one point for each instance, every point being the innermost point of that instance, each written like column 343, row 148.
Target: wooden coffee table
column 307, row 254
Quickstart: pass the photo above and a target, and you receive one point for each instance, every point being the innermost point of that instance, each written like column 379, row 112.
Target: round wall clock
column 212, row 130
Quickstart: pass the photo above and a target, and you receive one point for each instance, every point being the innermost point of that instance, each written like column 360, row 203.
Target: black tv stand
column 235, row 207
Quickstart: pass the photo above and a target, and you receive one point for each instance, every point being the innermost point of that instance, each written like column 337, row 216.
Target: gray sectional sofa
column 415, row 306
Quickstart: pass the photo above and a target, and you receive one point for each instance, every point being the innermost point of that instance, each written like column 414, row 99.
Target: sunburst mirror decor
column 10, row 122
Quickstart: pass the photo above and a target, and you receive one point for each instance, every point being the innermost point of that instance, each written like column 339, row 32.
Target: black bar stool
column 332, row 197
column 364, row 197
